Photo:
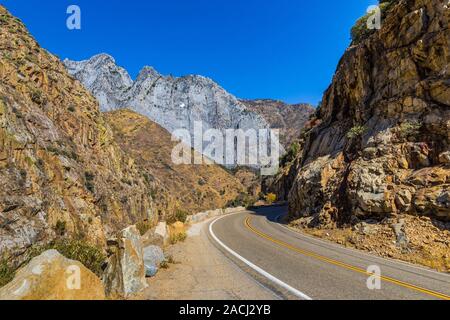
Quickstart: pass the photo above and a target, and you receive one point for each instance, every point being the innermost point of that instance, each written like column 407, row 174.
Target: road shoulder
column 202, row 272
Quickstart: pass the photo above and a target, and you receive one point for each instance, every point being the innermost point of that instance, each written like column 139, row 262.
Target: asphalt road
column 295, row 266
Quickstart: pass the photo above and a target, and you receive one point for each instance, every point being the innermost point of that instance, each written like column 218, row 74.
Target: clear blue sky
column 281, row 49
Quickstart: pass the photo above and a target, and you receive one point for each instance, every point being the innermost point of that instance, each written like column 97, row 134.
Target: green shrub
column 36, row 97
column 143, row 227
column 147, row 178
column 179, row 215
column 170, row 259
column 179, row 237
column 23, row 174
column 60, row 228
column 291, row 154
column 4, row 19
column 360, row 32
column 242, row 200
column 17, row 112
column 91, row 257
column 89, row 183
column 7, row 272
column 356, row 132
column 408, row 129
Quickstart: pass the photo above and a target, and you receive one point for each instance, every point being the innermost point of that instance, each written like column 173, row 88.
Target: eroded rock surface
column 51, row 276
column 382, row 134
column 61, row 172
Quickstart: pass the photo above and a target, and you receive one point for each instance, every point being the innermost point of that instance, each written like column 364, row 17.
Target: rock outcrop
column 173, row 103
column 380, row 142
column 51, row 276
column 61, row 172
column 125, row 273
column 290, row 119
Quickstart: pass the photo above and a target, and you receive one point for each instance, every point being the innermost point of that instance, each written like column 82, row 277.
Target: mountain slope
column 195, row 187
column 173, row 103
column 289, row 118
column 379, row 151
column 61, row 172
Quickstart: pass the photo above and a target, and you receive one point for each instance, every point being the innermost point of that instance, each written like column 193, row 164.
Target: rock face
column 61, row 172
column 51, row 276
column 289, row 118
column 381, row 139
column 173, row 103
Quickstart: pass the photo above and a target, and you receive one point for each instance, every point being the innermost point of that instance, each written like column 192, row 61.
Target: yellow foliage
column 271, row 198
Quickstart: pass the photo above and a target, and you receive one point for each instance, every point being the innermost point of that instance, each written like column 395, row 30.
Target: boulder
column 365, row 228
column 403, row 200
column 158, row 236
column 233, row 210
column 153, row 257
column 125, row 274
column 444, row 158
column 51, row 276
column 162, row 231
column 202, row 216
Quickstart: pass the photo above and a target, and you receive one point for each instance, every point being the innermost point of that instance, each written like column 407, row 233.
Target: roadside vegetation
column 356, row 132
column 270, row 198
column 91, row 257
column 7, row 271
column 360, row 32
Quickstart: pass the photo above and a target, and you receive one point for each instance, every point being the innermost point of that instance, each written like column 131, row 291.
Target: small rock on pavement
column 153, row 257
column 51, row 276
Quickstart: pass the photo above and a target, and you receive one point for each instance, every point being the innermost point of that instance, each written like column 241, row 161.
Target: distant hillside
column 289, row 118
column 195, row 187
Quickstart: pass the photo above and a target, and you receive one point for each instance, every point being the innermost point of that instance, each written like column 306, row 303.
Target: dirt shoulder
column 419, row 240
column 202, row 272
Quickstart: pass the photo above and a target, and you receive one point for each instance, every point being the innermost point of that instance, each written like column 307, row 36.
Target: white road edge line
column 255, row 267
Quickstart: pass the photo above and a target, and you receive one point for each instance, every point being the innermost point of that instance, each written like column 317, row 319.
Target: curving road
column 295, row 266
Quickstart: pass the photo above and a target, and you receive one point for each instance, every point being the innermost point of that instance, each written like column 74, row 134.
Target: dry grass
column 428, row 246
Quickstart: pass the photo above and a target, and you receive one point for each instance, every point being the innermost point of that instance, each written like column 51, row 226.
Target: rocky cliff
column 174, row 103
column 61, row 172
column 289, row 118
column 379, row 144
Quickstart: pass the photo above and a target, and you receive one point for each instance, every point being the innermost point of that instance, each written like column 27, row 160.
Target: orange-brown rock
column 381, row 141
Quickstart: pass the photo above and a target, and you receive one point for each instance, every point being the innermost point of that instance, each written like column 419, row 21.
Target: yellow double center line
column 342, row 264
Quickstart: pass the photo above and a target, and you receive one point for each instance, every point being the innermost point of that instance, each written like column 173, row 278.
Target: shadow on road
column 274, row 213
